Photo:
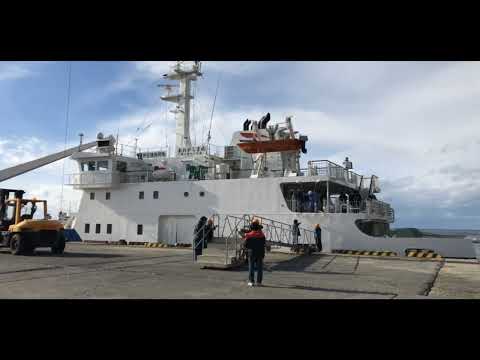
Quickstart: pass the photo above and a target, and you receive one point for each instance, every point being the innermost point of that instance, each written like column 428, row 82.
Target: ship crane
column 17, row 170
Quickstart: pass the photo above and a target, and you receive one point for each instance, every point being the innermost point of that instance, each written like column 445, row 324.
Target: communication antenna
column 116, row 144
column 168, row 88
column 81, row 141
column 213, row 110
column 166, row 143
column 67, row 118
column 140, row 131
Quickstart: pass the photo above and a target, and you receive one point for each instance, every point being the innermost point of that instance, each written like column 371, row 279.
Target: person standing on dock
column 255, row 245
column 318, row 237
column 199, row 236
column 209, row 229
column 295, row 233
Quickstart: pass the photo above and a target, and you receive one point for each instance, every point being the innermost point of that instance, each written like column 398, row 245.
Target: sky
column 413, row 124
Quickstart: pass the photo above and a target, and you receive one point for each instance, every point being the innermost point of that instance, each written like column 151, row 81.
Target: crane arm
column 37, row 163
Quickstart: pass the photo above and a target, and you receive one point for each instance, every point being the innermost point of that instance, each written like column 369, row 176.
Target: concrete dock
column 112, row 272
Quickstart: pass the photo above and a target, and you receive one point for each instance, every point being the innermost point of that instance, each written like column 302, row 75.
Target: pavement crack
column 357, row 264
column 328, row 263
column 431, row 283
column 30, row 270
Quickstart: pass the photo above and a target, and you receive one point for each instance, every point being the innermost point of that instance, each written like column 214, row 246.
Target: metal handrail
column 333, row 170
column 229, row 228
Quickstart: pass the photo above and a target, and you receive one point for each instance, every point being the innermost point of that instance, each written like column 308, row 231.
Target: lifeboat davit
column 258, row 147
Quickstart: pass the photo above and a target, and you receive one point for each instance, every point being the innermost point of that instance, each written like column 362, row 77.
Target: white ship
column 150, row 197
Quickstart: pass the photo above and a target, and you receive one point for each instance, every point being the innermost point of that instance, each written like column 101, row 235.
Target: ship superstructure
column 149, row 196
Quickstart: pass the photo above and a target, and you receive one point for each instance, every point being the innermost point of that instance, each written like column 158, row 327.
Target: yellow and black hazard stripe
column 423, row 254
column 161, row 245
column 155, row 245
column 365, row 252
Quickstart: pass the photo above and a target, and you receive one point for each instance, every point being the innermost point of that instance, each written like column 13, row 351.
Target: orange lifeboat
column 258, row 147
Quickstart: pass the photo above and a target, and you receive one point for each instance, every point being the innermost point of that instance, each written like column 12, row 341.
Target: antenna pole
column 213, row 110
column 67, row 115
column 116, row 147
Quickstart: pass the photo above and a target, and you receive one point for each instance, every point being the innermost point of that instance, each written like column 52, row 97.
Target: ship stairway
column 226, row 250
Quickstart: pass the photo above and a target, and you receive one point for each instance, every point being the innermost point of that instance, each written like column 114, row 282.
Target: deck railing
column 333, row 171
column 373, row 208
column 97, row 178
column 90, row 178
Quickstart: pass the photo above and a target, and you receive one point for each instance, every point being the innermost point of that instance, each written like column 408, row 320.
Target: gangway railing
column 230, row 229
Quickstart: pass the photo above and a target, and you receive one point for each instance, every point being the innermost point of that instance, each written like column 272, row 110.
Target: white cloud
column 45, row 182
column 12, row 71
column 244, row 68
column 413, row 124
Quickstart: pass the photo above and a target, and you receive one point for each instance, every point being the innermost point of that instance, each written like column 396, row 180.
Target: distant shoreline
column 440, row 233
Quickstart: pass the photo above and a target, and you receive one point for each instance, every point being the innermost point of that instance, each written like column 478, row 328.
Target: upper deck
column 101, row 173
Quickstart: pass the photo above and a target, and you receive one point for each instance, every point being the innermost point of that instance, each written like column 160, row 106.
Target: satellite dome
column 100, row 136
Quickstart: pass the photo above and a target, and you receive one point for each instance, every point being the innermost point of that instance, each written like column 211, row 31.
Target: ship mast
column 185, row 76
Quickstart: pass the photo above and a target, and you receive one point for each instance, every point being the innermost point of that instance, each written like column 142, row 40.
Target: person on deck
column 316, row 206
column 343, row 201
column 311, row 201
column 255, row 245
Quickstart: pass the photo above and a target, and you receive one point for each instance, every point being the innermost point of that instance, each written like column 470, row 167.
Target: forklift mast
column 4, row 196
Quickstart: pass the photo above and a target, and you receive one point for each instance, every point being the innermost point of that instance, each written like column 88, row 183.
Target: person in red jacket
column 255, row 244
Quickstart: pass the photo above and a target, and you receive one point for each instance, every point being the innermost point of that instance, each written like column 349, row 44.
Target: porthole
column 202, row 193
column 185, row 194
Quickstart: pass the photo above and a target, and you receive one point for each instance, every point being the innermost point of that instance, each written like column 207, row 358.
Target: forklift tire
column 59, row 246
column 17, row 245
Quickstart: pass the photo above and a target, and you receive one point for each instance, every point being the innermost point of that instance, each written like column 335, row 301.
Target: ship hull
column 172, row 217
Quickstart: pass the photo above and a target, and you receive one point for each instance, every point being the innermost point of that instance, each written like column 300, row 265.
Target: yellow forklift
column 21, row 232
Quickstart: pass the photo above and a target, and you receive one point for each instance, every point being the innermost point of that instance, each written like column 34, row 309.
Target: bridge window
column 92, row 196
column 155, row 194
column 88, row 166
column 139, row 229
column 141, row 195
column 109, row 228
column 87, row 229
column 97, row 228
column 107, row 196
column 102, row 165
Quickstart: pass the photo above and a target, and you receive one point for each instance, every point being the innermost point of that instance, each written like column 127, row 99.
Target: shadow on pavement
column 311, row 288
column 296, row 264
column 47, row 253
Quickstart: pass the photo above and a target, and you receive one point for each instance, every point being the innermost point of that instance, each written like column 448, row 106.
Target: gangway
column 228, row 250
